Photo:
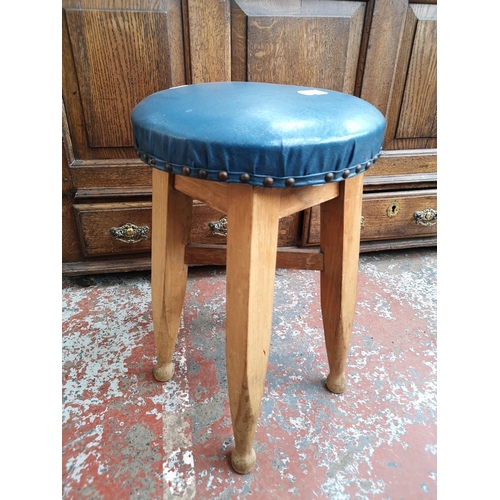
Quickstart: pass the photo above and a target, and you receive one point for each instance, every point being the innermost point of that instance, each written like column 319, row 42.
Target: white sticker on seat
column 312, row 92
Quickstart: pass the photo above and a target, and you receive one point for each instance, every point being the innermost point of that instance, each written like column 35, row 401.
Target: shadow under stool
column 256, row 152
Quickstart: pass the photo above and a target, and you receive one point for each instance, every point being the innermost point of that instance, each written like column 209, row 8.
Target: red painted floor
column 127, row 436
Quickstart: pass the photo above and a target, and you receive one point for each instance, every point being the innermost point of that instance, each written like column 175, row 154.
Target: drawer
column 114, row 228
column 386, row 216
column 289, row 229
column 107, row 229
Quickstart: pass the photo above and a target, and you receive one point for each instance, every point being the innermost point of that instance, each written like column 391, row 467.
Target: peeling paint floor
column 126, row 436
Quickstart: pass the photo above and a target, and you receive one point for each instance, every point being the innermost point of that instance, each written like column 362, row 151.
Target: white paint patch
column 75, row 466
column 155, row 412
column 188, row 458
column 415, row 286
column 431, row 448
column 178, row 483
column 312, row 92
column 178, row 468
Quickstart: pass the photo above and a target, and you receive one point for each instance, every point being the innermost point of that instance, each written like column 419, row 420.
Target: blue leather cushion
column 258, row 133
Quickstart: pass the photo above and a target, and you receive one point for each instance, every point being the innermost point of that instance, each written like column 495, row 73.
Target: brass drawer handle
column 130, row 233
column 426, row 217
column 219, row 227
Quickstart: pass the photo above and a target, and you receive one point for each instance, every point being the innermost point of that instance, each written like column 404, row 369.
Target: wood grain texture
column 95, row 221
column 340, row 238
column 239, row 36
column 212, row 193
column 399, row 78
column 404, row 162
column 110, row 173
column 418, row 112
column 251, row 258
column 171, row 227
column 409, row 70
column 74, row 122
column 296, row 199
column 124, row 5
column 108, row 49
column 286, row 257
column 113, row 194
column 312, row 43
column 210, row 40
column 106, row 265
column 114, row 55
column 386, row 31
column 71, row 250
column 288, row 228
column 419, row 108
column 409, row 182
column 377, row 224
column 291, row 257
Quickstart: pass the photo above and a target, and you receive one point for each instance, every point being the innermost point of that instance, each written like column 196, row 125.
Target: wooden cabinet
column 116, row 52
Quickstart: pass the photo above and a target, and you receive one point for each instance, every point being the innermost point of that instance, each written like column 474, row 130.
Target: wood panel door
column 115, row 53
column 412, row 113
column 308, row 43
column 400, row 79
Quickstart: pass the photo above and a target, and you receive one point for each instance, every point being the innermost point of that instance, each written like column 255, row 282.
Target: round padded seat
column 258, row 133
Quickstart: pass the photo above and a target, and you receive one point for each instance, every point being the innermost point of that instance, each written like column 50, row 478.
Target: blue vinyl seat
column 258, row 133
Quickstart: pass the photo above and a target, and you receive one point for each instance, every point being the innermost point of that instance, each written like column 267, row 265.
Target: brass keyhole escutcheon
column 393, row 209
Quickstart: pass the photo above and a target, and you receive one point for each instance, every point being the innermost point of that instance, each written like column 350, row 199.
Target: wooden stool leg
column 171, row 225
column 252, row 237
column 340, row 237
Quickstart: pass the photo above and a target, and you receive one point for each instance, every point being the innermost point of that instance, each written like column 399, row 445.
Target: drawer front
column 107, row 229
column 208, row 228
column 114, row 228
column 386, row 216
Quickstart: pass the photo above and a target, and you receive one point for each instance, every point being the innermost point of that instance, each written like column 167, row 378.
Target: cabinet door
column 400, row 78
column 308, row 43
column 412, row 113
column 115, row 53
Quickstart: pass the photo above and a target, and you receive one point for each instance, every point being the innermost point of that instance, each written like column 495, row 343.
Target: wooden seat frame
column 253, row 215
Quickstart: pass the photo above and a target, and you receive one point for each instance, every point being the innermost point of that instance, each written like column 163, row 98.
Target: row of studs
column 245, row 177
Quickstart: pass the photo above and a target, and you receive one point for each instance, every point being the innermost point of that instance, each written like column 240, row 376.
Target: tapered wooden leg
column 171, row 225
column 340, row 237
column 252, row 236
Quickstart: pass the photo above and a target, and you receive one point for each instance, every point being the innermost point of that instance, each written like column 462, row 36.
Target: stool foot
column 335, row 384
column 243, row 463
column 163, row 372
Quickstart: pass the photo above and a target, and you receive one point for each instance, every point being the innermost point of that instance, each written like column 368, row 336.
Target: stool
column 255, row 152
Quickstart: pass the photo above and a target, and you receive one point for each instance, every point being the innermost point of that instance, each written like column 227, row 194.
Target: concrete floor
column 126, row 436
